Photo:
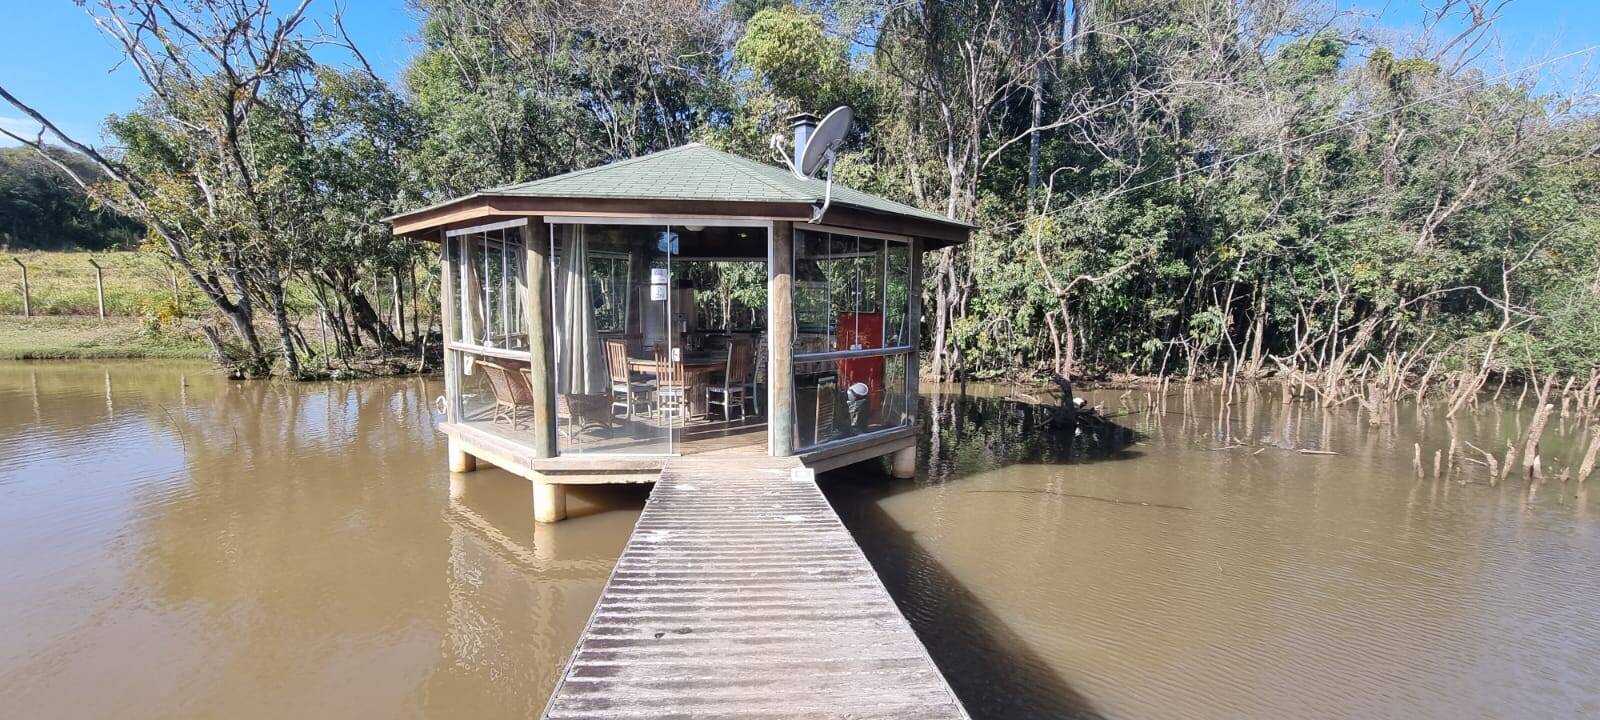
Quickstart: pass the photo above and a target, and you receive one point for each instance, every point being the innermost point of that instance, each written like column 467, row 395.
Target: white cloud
column 21, row 126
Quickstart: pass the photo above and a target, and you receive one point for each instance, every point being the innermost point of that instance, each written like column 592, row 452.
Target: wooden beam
column 780, row 336
column 541, row 338
column 473, row 209
column 939, row 234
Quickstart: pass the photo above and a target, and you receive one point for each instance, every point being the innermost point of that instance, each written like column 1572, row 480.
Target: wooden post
column 549, row 499
column 416, row 302
column 541, row 340
column 780, row 336
column 27, row 302
column 99, row 288
column 399, row 315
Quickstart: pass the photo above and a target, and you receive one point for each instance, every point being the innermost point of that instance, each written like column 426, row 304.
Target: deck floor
column 740, row 594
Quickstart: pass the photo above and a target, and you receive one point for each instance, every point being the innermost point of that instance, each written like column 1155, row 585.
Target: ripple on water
column 1293, row 586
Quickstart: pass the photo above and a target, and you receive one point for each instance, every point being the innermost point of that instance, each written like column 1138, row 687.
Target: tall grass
column 62, row 283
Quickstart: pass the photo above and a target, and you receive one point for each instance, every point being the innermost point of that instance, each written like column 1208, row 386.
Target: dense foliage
column 1199, row 187
column 42, row 209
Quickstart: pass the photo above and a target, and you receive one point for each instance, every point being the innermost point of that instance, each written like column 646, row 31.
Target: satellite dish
column 825, row 140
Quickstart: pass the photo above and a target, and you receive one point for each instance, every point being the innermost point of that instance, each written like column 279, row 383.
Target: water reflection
column 1212, row 569
column 183, row 546
column 192, row 547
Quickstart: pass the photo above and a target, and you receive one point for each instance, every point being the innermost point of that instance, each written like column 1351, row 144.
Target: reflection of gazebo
column 576, row 349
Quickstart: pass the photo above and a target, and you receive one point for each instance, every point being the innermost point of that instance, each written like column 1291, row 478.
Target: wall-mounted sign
column 658, row 284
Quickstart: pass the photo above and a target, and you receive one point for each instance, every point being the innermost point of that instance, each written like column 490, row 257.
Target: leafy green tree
column 41, row 208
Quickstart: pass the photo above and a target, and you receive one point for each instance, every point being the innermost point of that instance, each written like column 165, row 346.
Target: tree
column 41, row 208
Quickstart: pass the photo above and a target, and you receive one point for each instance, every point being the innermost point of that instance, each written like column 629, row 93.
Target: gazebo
column 684, row 305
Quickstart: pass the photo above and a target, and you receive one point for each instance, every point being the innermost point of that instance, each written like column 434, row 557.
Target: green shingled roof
column 697, row 172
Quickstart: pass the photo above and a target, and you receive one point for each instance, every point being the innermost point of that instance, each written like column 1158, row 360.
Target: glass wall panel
column 491, row 290
column 619, row 379
column 897, row 303
column 852, row 297
column 452, row 247
column 475, row 396
column 839, row 292
column 488, row 340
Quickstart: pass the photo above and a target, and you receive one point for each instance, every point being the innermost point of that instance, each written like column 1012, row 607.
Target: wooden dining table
column 696, row 369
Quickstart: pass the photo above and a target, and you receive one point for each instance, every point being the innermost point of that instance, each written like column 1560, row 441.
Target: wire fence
column 104, row 285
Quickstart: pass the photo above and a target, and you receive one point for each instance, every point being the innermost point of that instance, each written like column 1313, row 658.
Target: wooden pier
column 740, row 595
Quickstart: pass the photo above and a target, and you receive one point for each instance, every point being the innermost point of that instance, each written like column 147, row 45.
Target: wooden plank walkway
column 740, row 595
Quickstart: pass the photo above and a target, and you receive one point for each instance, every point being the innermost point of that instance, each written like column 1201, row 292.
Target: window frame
column 908, row 350
column 627, row 283
column 510, row 306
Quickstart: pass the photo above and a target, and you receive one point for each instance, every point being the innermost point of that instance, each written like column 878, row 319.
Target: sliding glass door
column 620, row 386
column 488, row 340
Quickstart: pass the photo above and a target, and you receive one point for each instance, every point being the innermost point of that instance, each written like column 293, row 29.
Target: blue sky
column 52, row 56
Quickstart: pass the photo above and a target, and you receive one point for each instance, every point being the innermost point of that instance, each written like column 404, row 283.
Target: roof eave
column 487, row 206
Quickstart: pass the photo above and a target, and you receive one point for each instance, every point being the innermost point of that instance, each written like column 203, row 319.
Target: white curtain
column 581, row 364
column 471, row 295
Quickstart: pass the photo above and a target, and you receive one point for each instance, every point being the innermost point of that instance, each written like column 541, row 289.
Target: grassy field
column 39, row 338
column 62, row 283
column 65, row 322
column 139, row 296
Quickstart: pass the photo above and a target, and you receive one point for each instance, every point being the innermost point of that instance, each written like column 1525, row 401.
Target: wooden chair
column 730, row 393
column 627, row 391
column 512, row 393
column 671, row 398
column 827, row 394
column 758, row 376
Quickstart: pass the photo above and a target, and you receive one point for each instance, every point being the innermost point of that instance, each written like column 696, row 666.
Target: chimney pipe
column 804, row 124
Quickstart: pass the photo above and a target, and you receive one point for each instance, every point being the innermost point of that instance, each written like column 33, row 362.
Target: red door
column 860, row 331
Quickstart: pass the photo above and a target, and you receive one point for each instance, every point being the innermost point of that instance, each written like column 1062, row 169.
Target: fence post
column 27, row 302
column 99, row 288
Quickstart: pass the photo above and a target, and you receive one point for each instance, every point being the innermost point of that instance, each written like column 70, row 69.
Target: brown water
column 176, row 545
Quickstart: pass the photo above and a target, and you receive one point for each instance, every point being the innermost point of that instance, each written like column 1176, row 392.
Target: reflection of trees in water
column 1229, row 536
column 967, row 433
column 303, row 536
column 989, row 665
column 68, row 401
column 303, row 515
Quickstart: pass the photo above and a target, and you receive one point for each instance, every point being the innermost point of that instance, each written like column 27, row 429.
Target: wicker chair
column 513, row 395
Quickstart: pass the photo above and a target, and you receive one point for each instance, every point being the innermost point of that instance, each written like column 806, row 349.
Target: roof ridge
column 580, row 173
